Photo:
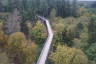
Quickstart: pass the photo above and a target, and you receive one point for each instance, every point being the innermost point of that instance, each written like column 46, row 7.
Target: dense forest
column 23, row 35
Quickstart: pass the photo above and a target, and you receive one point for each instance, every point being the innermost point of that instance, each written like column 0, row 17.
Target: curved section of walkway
column 44, row 53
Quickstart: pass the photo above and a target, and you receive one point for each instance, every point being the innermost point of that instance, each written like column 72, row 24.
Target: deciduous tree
column 64, row 54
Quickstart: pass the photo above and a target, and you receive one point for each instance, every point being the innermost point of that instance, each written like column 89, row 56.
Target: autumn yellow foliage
column 17, row 39
column 30, row 53
column 3, row 39
column 4, row 58
column 66, row 55
column 20, row 49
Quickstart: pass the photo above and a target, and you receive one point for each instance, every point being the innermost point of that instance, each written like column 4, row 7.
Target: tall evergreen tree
column 74, row 8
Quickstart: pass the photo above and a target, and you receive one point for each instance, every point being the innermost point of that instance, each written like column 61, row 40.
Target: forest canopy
column 23, row 35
